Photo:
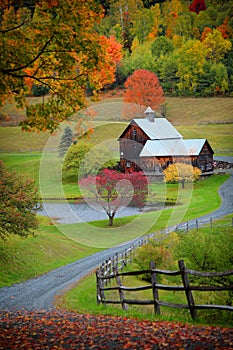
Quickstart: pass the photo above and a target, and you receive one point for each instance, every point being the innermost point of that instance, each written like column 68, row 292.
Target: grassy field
column 82, row 298
column 48, row 249
column 209, row 118
column 56, row 245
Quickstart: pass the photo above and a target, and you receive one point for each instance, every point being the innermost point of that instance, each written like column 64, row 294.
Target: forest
column 187, row 44
column 77, row 49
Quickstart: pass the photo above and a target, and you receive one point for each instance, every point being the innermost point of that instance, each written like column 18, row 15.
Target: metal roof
column 159, row 129
column 178, row 147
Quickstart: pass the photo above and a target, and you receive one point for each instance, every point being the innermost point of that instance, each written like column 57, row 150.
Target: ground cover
column 61, row 330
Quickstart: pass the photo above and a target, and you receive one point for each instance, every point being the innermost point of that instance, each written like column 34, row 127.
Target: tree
column 179, row 172
column 113, row 190
column 18, row 201
column 216, row 46
column 74, row 159
column 191, row 59
column 143, row 89
column 66, row 141
column 53, row 44
column 197, row 6
column 162, row 47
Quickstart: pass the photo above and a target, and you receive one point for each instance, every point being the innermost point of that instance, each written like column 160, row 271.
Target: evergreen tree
column 66, row 141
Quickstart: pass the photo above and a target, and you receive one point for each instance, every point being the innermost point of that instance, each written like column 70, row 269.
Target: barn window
column 128, row 164
column 134, row 134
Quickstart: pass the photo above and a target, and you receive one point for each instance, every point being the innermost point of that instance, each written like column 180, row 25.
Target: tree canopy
column 180, row 172
column 18, row 199
column 53, row 44
column 113, row 190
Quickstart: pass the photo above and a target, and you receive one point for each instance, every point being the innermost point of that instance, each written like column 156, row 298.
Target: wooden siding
column 132, row 142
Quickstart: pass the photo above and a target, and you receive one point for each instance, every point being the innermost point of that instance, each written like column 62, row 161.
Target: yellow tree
column 191, row 59
column 216, row 46
column 179, row 172
column 53, row 44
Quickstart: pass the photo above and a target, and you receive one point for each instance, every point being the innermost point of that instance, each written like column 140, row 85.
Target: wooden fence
column 105, row 275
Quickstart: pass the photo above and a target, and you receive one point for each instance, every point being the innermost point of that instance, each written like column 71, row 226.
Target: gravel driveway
column 39, row 293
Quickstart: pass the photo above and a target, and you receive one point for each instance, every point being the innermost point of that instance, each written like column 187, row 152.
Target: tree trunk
column 110, row 219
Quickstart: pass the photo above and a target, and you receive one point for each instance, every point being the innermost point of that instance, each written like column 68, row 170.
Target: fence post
column 116, row 264
column 197, row 224
column 188, row 292
column 121, row 293
column 211, row 223
column 99, row 287
column 154, row 289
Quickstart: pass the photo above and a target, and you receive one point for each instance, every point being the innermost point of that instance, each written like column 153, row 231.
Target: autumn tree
column 180, row 172
column 54, row 44
column 113, row 190
column 143, row 89
column 216, row 46
column 197, row 6
column 18, row 201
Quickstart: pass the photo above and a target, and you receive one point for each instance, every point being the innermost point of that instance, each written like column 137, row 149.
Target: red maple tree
column 114, row 190
column 197, row 6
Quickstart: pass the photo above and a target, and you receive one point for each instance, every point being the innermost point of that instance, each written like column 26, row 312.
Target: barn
column 152, row 143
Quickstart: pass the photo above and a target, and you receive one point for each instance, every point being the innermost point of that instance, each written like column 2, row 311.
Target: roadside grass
column 82, row 297
column 24, row 258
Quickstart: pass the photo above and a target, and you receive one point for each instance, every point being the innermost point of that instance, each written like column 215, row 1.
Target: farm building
column 152, row 143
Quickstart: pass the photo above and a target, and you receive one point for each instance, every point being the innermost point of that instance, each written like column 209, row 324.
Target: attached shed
column 151, row 144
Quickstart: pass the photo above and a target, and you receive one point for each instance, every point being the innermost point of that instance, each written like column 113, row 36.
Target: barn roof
column 178, row 147
column 159, row 129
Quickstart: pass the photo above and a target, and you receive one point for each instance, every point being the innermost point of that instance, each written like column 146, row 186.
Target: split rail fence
column 110, row 271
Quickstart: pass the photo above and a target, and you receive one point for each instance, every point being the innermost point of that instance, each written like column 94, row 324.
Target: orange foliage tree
column 143, row 89
column 53, row 44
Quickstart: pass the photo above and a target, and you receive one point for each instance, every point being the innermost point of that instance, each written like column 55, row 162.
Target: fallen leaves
column 64, row 330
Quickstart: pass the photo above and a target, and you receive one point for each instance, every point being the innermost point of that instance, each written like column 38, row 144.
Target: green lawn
column 24, row 258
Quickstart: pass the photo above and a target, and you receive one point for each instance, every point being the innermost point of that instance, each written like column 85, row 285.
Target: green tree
column 18, row 201
column 162, row 47
column 191, row 58
column 74, row 160
column 55, row 44
column 66, row 141
column 98, row 158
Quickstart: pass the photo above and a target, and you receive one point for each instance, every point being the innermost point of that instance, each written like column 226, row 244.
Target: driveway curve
column 39, row 293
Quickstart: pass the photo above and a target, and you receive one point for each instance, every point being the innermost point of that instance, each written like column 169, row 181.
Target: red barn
column 152, row 143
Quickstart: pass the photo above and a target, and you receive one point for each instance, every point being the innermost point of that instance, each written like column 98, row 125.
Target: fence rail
column 103, row 277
